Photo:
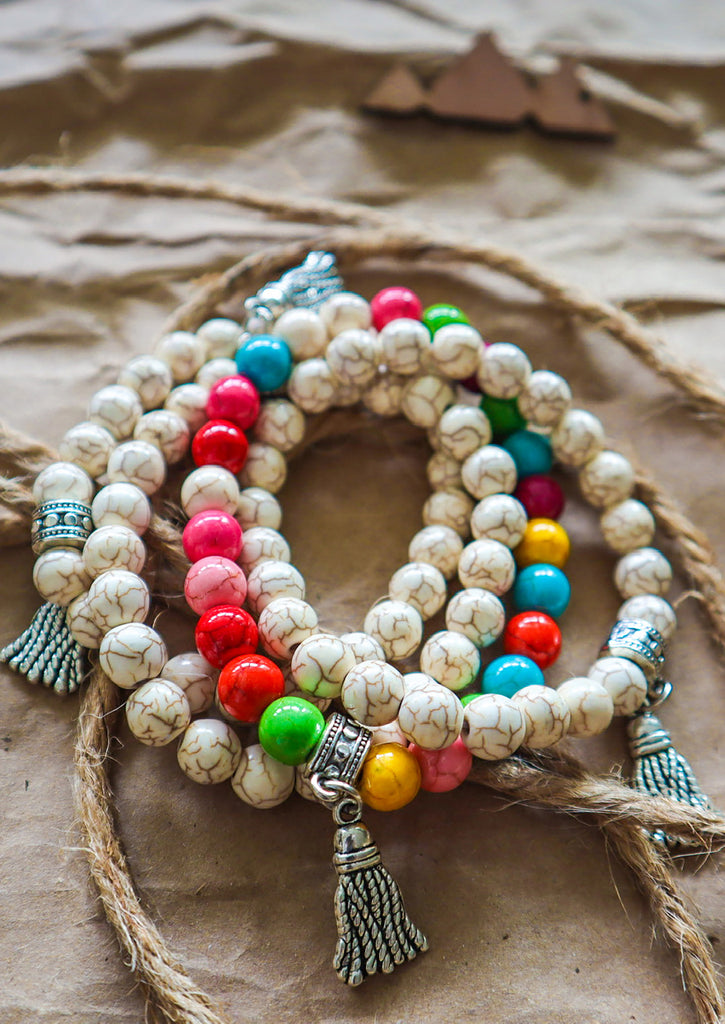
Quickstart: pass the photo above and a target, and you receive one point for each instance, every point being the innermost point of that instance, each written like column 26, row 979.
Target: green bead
column 503, row 415
column 468, row 698
column 289, row 729
column 441, row 315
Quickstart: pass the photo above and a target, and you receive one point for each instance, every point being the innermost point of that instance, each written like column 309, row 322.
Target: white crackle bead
column 653, row 609
column 372, row 692
column 266, row 467
column 363, row 646
column 462, row 430
column 157, row 712
column 431, row 717
column 167, row 431
column 183, row 352
column 493, row 727
column 449, row 508
column 116, row 409
column 209, row 751
column 291, row 689
column 503, row 370
column 439, row 546
column 499, row 517
column 280, row 423
column 405, row 345
column 546, row 715
column 121, row 504
column 385, row 395
column 304, row 332
column 196, row 677
column 132, row 652
column 397, row 627
column 643, row 571
column 209, row 487
column 214, row 370
column 590, row 705
column 59, row 575
column 345, row 311
column 478, row 614
column 284, row 623
column 189, row 402
column 624, row 681
column 88, row 446
column 312, row 385
column 451, row 659
column 271, row 579
column 544, row 398
column 488, row 565
column 627, row 526
column 606, row 479
column 455, row 350
column 113, row 547
column 116, row 597
column 347, row 395
column 443, row 472
column 421, row 585
column 320, row 663
column 425, row 398
column 303, row 787
column 62, row 481
column 260, row 780
column 490, row 470
column 139, row 463
column 353, row 357
column 419, row 681
column 577, row 438
column 257, row 507
column 221, row 338
column 81, row 623
column 389, row 733
column 149, row 377
column 260, row 544
column 434, row 442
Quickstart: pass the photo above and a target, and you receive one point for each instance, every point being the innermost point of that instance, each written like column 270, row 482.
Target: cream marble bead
column 420, row 585
column 303, row 787
column 499, row 517
column 167, row 431
column 488, row 565
column 405, row 345
column 284, row 623
column 363, row 646
column 353, row 357
column 419, row 681
column 149, row 377
column 503, row 370
column 624, row 681
column 261, row 544
column 389, row 733
column 455, row 350
column 643, row 571
column 345, row 311
column 214, row 370
column 606, row 479
column 257, row 507
column 384, row 397
column 431, row 717
column 425, row 398
column 490, row 470
column 312, row 386
column 280, row 423
column 590, row 705
column 451, row 659
column 81, row 623
column 653, row 609
column 260, row 780
column 451, row 508
column 577, row 438
column 113, row 547
column 462, row 430
column 116, row 409
column 132, row 652
column 62, row 481
column 291, row 689
column 437, row 545
column 221, row 338
column 209, row 487
column 444, row 472
column 320, row 663
column 209, row 751
column 157, row 712
column 183, row 352
column 139, row 463
column 122, row 504
column 544, row 398
column 546, row 715
column 397, row 627
column 265, row 467
column 434, row 442
column 304, row 331
column 627, row 526
column 272, row 579
column 493, row 727
column 347, row 395
column 88, row 446
column 116, row 597
column 372, row 692
column 196, row 677
column 59, row 575
column 478, row 614
column 189, row 402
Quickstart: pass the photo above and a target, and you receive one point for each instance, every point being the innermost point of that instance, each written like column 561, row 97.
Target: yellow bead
column 390, row 777
column 544, row 541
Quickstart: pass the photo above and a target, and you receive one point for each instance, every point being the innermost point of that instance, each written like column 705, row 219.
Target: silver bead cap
column 638, row 641
column 341, row 751
column 60, row 524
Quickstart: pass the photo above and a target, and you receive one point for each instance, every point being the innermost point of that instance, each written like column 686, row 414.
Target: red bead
column 248, row 685
column 471, row 384
column 234, row 399
column 220, row 443
column 212, row 533
column 225, row 632
column 535, row 635
column 394, row 303
column 541, row 496
column 443, row 770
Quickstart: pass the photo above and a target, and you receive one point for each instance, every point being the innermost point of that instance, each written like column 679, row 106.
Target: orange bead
column 390, row 777
column 544, row 542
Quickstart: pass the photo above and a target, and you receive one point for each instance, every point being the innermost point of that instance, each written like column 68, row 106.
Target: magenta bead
column 212, row 533
column 234, row 399
column 213, row 581
column 443, row 770
column 541, row 496
column 394, row 303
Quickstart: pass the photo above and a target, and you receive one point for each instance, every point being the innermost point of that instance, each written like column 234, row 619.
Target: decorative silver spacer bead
column 640, row 642
column 60, row 524
column 341, row 751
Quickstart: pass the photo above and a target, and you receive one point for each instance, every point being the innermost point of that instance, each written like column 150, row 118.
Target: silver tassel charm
column 308, row 285
column 46, row 652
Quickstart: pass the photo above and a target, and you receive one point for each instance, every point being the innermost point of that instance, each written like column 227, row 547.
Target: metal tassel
column 46, row 652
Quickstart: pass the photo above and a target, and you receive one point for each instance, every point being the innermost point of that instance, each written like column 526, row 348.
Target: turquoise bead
column 511, row 673
column 542, row 588
column 266, row 361
column 531, row 452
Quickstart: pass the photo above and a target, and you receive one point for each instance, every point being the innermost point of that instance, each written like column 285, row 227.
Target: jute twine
column 551, row 779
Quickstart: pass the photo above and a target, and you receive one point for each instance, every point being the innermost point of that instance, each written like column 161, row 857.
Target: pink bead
column 443, row 770
column 394, row 303
column 212, row 533
column 541, row 496
column 234, row 399
column 213, row 581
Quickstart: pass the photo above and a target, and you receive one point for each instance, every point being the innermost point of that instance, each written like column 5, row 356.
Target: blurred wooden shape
column 398, row 92
column 483, row 86
column 562, row 105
